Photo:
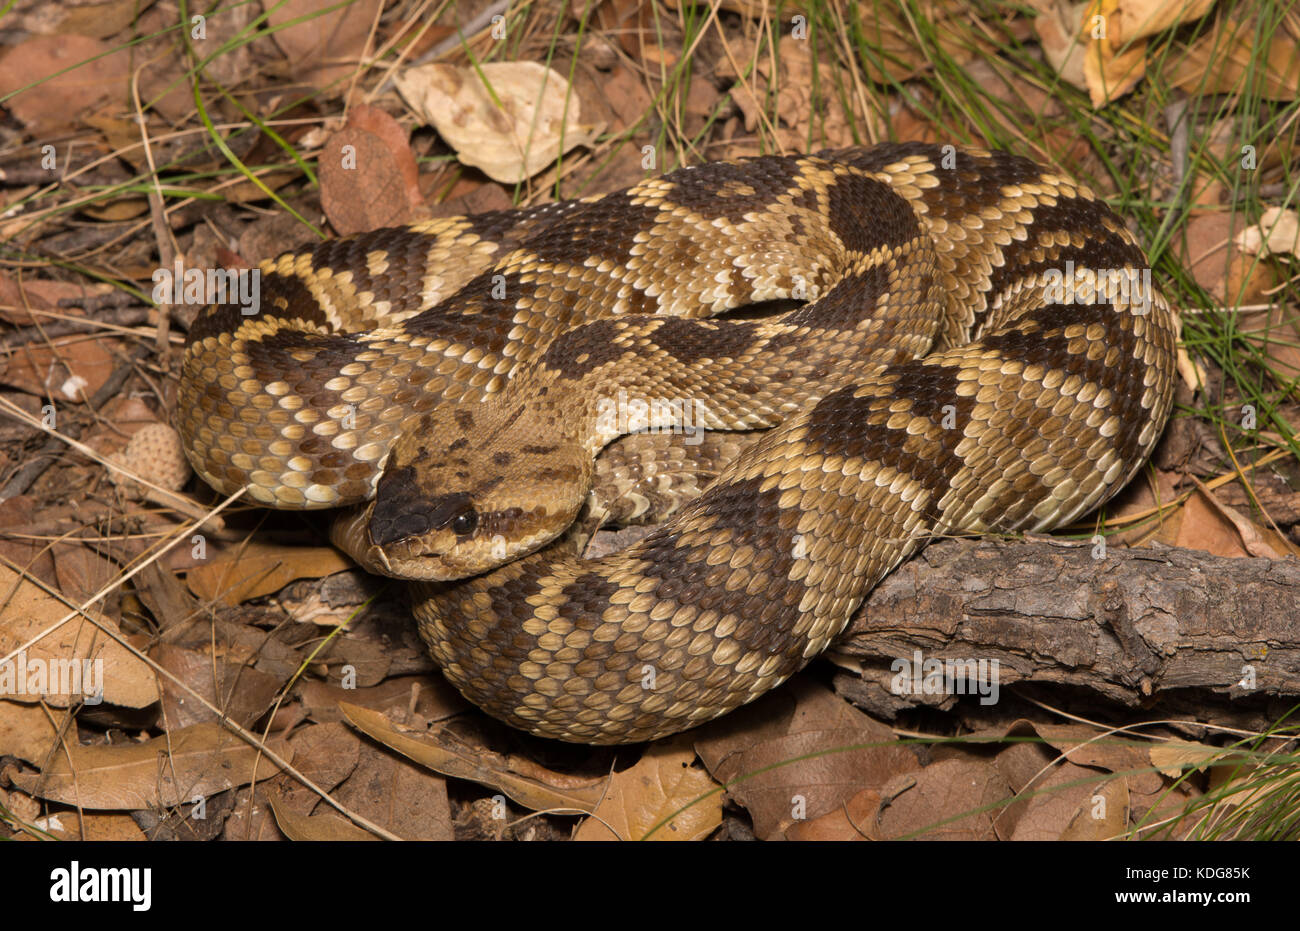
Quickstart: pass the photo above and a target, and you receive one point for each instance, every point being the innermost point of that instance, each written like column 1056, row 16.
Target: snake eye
column 464, row 523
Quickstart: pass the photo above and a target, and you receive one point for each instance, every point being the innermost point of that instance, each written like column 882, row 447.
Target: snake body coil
column 980, row 350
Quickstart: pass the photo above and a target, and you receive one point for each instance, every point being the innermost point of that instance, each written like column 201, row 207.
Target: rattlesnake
column 367, row 368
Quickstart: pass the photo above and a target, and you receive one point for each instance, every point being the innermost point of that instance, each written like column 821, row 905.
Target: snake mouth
column 404, row 559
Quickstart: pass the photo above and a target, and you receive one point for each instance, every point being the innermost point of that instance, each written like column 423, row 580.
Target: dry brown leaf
column 1101, row 45
column 58, row 100
column 71, row 370
column 1086, row 746
column 1058, row 25
column 854, row 820
column 537, row 121
column 244, row 694
column 462, row 762
column 662, row 797
column 28, row 732
column 1102, row 816
column 67, row 825
column 1210, row 525
column 1225, row 271
column 397, row 794
column 75, row 658
column 325, row 47
column 368, row 174
column 1052, row 800
column 1173, row 757
column 261, row 569
column 81, row 571
column 18, row 294
column 1225, row 59
column 1112, row 66
column 159, row 773
column 950, row 800
column 1135, row 19
column 325, row 826
column 435, row 699
column 117, row 210
column 100, row 20
column 802, row 764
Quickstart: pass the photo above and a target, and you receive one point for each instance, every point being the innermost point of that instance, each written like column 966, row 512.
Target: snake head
column 474, row 486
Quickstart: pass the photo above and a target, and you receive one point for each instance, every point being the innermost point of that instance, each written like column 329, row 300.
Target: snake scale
column 453, row 379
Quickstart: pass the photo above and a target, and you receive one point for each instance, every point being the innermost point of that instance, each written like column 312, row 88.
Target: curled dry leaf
column 537, row 120
column 1277, row 233
column 1101, row 45
column 438, row 752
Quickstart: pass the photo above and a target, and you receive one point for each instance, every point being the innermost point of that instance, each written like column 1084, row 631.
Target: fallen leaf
column 19, row 294
column 1102, row 816
column 662, row 797
column 67, row 825
column 537, row 121
column 174, row 769
column 71, row 369
column 437, row 751
column 436, row 698
column 244, row 695
column 853, row 821
column 74, row 659
column 261, row 569
column 71, row 75
column 28, row 732
column 949, row 800
column 368, row 174
column 803, row 764
column 397, row 794
column 1215, row 528
column 1173, row 757
column 328, row 42
column 1277, row 233
column 1053, row 800
column 1228, row 58
column 325, row 826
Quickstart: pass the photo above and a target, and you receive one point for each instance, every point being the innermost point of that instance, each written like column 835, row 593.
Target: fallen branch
column 1127, row 626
